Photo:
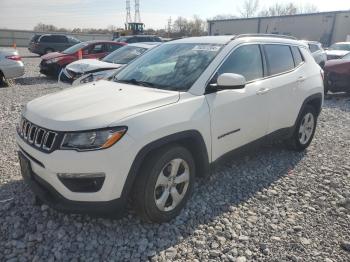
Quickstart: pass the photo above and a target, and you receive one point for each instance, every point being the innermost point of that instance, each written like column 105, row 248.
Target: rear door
column 239, row 116
column 284, row 77
column 59, row 42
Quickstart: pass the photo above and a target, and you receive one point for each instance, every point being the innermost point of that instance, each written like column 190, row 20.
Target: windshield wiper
column 137, row 82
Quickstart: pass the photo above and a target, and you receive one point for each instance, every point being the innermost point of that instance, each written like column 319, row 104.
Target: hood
column 338, row 53
column 52, row 55
column 89, row 65
column 95, row 105
column 339, row 66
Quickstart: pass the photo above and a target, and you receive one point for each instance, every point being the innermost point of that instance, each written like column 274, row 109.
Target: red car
column 52, row 63
column 337, row 75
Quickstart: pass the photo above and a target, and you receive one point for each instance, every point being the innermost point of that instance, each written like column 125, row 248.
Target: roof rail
column 264, row 35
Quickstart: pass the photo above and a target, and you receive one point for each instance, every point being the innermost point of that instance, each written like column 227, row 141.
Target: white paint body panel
column 151, row 114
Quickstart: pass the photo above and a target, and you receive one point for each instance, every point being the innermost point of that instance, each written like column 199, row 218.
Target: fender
column 314, row 100
column 191, row 139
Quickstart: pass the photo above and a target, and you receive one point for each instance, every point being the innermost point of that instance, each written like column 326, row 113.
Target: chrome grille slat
column 37, row 136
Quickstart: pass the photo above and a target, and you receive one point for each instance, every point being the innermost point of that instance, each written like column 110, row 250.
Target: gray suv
column 50, row 43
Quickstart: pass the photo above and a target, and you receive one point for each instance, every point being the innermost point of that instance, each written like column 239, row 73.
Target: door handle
column 262, row 91
column 301, row 79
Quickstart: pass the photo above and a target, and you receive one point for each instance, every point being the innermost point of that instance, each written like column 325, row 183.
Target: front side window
column 346, row 57
column 279, row 58
column 172, row 66
column 124, row 55
column 97, row 49
column 246, row 61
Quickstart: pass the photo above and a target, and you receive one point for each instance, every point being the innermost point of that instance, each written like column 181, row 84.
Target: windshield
column 346, row 57
column 170, row 66
column 75, row 48
column 340, row 47
column 124, row 55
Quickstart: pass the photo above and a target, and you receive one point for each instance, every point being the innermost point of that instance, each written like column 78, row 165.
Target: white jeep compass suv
column 164, row 120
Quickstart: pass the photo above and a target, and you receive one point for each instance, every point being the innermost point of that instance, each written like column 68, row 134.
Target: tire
column 49, row 50
column 304, row 130
column 3, row 82
column 154, row 183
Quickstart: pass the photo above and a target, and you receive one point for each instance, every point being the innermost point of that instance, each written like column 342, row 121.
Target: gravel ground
column 266, row 205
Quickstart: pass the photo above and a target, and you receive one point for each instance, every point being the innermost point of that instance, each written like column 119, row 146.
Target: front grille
column 36, row 136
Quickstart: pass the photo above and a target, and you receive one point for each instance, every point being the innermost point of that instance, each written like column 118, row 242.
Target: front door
column 239, row 116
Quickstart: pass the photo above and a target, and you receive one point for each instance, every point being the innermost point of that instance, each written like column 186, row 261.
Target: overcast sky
column 25, row 14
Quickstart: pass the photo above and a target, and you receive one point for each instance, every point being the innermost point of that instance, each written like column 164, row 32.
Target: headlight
column 53, row 60
column 93, row 77
column 93, row 140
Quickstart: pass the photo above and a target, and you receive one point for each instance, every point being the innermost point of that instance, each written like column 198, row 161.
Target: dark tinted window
column 298, row 59
column 246, row 61
column 279, row 58
column 35, row 38
column 132, row 40
column 97, row 49
column 313, row 48
column 45, row 39
column 58, row 39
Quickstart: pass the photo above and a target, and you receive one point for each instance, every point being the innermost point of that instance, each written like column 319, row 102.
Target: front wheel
column 164, row 184
column 304, row 130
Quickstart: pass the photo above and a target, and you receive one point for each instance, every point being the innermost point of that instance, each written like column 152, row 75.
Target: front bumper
column 52, row 69
column 48, row 195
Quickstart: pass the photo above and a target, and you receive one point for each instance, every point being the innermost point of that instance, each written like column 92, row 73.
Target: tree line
column 196, row 26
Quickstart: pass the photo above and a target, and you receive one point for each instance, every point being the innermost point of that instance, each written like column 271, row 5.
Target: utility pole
column 169, row 26
column 128, row 12
column 137, row 12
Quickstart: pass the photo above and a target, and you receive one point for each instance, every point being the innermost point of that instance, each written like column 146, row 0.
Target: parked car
column 47, row 43
column 337, row 75
column 317, row 52
column 164, row 120
column 88, row 70
column 11, row 65
column 338, row 50
column 138, row 38
column 52, row 64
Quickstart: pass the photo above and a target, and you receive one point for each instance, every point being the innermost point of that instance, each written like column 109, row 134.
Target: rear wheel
column 164, row 184
column 305, row 129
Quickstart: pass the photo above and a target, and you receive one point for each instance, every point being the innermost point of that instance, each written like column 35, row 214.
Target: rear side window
column 111, row 48
column 59, row 39
column 313, row 48
column 279, row 58
column 298, row 59
column 97, row 49
column 245, row 60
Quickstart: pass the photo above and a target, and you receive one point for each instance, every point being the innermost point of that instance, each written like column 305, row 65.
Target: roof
column 147, row 45
column 245, row 37
column 222, row 39
column 282, row 16
column 343, row 43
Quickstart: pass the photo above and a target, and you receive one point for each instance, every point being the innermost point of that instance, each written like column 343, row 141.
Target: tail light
column 14, row 57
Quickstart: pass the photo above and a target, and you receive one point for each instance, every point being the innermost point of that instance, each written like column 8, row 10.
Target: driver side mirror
column 228, row 81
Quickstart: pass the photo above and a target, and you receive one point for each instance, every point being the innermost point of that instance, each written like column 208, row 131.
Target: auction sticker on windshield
column 208, row 48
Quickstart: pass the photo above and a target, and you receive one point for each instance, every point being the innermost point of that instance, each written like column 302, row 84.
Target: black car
column 47, row 43
column 138, row 38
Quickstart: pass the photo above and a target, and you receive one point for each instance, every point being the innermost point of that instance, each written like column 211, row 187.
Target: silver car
column 317, row 52
column 11, row 65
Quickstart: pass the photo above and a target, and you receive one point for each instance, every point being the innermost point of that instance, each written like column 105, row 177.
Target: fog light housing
column 82, row 182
